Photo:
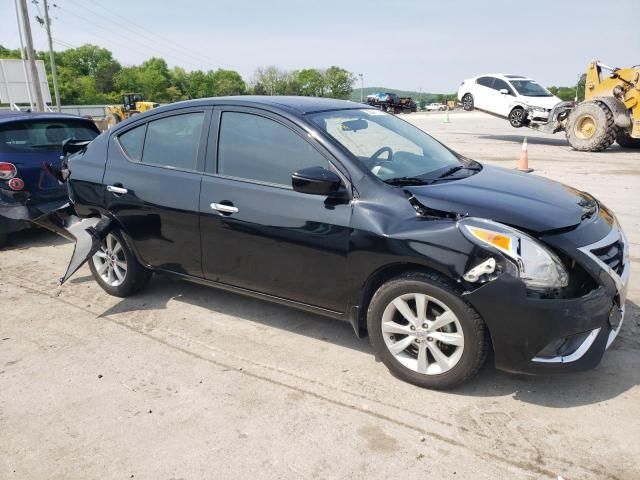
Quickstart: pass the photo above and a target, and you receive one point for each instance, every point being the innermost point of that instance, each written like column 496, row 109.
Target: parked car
column 28, row 140
column 436, row 107
column 343, row 210
column 517, row 98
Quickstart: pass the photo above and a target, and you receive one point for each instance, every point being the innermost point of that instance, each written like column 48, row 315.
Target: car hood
column 543, row 102
column 522, row 200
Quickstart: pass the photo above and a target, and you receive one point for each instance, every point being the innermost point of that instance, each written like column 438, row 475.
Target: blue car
column 28, row 142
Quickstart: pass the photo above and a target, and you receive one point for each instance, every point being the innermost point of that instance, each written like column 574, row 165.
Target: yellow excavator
column 132, row 103
column 609, row 113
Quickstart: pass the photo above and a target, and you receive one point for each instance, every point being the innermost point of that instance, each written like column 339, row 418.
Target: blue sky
column 407, row 44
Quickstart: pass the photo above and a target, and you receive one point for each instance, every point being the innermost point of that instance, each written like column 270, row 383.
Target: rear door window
column 132, row 142
column 174, row 141
column 485, row 81
column 42, row 135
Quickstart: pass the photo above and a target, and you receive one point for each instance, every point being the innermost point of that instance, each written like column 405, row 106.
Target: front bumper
column 522, row 327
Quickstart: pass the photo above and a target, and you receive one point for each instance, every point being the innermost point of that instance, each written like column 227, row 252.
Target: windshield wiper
column 457, row 168
column 407, row 181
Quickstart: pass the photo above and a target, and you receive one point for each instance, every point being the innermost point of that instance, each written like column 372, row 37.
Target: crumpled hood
column 518, row 199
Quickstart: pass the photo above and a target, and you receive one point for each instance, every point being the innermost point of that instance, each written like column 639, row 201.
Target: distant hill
column 427, row 97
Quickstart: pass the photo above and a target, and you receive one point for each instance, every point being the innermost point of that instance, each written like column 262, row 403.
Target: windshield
column 530, row 88
column 389, row 147
column 42, row 135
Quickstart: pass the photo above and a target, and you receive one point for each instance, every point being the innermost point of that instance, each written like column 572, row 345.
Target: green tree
column 339, row 82
column 227, row 82
column 311, row 81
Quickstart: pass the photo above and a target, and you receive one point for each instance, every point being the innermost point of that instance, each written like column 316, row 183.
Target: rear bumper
column 17, row 210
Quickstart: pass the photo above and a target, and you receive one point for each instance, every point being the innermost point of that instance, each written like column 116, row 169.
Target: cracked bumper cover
column 523, row 326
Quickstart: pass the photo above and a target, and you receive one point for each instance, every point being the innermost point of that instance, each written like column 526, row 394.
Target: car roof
column 296, row 105
column 13, row 116
column 504, row 76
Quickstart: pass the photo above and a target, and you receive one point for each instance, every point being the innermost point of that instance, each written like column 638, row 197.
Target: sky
column 406, row 44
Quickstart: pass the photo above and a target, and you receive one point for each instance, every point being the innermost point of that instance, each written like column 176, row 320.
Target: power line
column 117, row 35
column 149, row 35
column 170, row 43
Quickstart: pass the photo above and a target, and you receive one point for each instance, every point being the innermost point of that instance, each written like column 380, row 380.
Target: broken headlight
column 539, row 267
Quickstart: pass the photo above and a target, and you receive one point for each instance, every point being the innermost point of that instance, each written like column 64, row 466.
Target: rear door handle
column 117, row 190
column 224, row 208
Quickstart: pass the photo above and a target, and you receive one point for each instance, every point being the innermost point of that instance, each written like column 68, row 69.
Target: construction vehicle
column 392, row 103
column 132, row 103
column 610, row 111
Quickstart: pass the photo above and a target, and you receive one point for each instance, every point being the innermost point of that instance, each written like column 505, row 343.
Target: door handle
column 224, row 208
column 117, row 190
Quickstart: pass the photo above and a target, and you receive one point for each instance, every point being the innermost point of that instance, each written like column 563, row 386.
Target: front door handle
column 117, row 190
column 224, row 208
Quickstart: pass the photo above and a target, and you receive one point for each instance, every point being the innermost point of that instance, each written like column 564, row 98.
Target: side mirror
column 315, row 181
column 504, row 91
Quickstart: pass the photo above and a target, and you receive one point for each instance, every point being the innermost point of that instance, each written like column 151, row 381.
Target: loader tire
column 627, row 141
column 590, row 127
column 112, row 120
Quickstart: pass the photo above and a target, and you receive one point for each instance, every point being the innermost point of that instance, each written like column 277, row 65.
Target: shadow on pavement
column 618, row 372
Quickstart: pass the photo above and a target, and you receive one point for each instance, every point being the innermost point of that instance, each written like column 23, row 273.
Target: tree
column 227, row 82
column 311, row 81
column 339, row 82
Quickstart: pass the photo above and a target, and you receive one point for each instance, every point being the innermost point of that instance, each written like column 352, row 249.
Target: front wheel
column 425, row 333
column 590, row 127
column 116, row 268
column 517, row 117
column 467, row 102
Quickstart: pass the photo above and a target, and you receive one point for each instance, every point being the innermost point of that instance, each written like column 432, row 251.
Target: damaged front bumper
column 542, row 335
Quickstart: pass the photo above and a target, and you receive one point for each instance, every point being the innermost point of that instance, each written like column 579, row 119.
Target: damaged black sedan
column 343, row 210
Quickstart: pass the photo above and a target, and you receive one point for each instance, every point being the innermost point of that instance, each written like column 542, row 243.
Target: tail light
column 7, row 170
column 16, row 184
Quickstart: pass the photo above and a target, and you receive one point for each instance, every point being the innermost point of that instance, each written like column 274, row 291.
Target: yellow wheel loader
column 132, row 103
column 610, row 111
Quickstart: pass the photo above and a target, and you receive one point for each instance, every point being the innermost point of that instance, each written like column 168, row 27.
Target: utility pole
column 32, row 62
column 361, row 87
column 24, row 63
column 54, row 73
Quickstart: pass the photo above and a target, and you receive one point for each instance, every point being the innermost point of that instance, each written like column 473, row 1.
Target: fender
column 621, row 115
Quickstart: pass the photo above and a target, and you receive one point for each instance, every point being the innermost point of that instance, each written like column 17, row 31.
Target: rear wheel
column 425, row 333
column 590, row 127
column 517, row 117
column 467, row 102
column 627, row 141
column 116, row 268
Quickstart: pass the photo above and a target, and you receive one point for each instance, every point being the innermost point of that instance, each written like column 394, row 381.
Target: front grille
column 612, row 255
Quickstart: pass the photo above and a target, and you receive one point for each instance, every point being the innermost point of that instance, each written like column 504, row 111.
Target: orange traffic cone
column 523, row 164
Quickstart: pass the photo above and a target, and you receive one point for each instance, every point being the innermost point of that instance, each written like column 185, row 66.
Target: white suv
column 520, row 99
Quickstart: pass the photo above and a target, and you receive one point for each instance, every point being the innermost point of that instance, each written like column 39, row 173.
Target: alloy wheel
column 422, row 333
column 110, row 261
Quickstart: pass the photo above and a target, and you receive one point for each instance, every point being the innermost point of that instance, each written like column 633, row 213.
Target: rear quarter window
column 42, row 135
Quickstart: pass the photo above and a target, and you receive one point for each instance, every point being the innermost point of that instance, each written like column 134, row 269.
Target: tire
column 517, row 117
column 467, row 102
column 443, row 303
column 123, row 275
column 4, row 239
column 590, row 127
column 112, row 120
column 625, row 140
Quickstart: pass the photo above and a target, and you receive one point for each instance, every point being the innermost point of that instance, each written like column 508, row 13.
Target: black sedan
column 343, row 210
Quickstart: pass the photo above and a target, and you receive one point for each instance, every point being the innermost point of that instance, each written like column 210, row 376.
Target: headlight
column 539, row 267
column 539, row 109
